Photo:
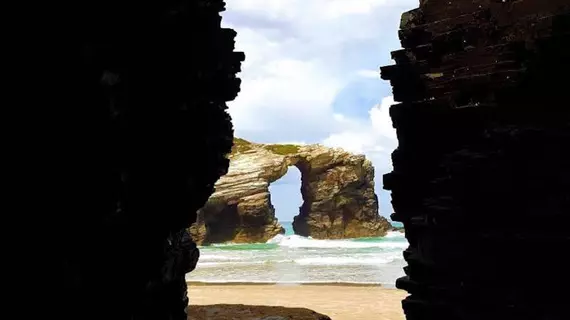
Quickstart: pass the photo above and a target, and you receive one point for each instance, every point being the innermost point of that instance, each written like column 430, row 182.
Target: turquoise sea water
column 288, row 226
column 291, row 258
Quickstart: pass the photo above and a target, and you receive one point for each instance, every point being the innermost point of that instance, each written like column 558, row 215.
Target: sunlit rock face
column 337, row 189
column 483, row 126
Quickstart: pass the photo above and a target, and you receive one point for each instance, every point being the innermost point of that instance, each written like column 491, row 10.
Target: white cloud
column 298, row 143
column 374, row 74
column 281, row 89
column 381, row 121
column 376, row 138
column 299, row 55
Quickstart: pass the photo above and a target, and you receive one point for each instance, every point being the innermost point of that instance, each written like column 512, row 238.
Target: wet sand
column 338, row 302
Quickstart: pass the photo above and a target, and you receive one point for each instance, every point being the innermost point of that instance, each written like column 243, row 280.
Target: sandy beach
column 336, row 301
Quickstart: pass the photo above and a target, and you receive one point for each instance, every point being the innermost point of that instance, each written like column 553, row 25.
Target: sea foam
column 295, row 241
column 297, row 259
column 213, row 257
column 347, row 261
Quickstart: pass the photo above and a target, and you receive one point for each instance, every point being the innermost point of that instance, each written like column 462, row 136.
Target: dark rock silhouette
column 484, row 153
column 133, row 97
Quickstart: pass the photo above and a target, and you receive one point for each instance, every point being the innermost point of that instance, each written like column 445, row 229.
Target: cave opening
column 287, row 198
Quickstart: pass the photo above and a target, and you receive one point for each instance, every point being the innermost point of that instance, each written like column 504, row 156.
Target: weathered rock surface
column 337, row 189
column 246, row 312
column 484, row 133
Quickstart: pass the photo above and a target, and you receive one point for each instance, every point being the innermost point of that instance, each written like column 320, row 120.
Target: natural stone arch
column 337, row 188
column 286, row 197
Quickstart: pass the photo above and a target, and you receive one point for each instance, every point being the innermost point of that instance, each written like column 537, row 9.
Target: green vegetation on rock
column 283, row 149
column 241, row 145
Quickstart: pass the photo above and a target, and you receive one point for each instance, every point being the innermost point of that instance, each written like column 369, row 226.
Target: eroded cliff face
column 337, row 189
column 484, row 132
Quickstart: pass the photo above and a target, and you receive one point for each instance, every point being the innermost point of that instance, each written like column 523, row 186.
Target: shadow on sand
column 250, row 312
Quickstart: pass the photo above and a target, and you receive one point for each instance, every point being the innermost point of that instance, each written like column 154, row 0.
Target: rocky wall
column 481, row 175
column 135, row 134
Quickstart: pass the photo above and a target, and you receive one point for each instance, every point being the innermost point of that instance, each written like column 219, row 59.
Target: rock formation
column 124, row 88
column 484, row 153
column 337, row 189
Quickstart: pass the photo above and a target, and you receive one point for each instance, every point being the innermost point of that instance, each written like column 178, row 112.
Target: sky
column 311, row 75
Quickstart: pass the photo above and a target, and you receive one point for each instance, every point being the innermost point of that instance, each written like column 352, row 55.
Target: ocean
column 292, row 259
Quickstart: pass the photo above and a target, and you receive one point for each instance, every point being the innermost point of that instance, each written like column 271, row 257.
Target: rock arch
column 337, row 188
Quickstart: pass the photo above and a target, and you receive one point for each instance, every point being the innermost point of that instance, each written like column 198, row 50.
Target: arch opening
column 286, row 197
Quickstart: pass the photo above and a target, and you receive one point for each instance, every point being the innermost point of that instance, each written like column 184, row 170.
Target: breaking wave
column 295, row 241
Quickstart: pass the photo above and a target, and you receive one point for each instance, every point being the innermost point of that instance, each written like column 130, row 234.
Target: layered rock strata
column 337, row 189
column 483, row 126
